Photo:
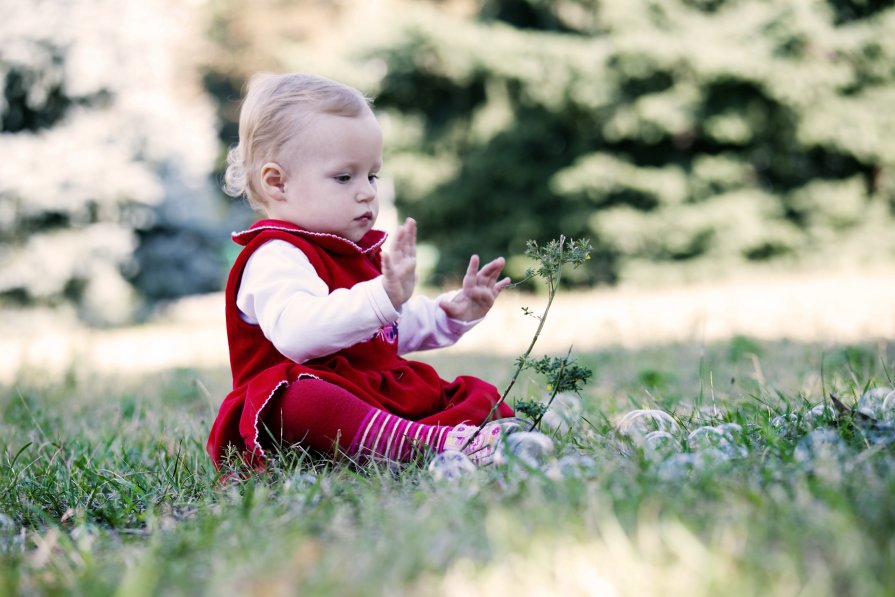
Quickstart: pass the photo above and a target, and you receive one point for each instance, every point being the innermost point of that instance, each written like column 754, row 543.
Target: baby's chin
column 356, row 237
column 361, row 230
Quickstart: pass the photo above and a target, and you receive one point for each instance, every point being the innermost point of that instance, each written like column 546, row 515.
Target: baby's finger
column 472, row 270
column 406, row 240
column 397, row 246
column 489, row 273
column 411, row 236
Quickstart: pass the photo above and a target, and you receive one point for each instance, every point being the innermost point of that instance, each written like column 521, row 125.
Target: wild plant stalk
column 562, row 374
column 554, row 390
column 551, row 259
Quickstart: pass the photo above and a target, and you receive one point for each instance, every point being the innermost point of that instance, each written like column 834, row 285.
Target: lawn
column 746, row 482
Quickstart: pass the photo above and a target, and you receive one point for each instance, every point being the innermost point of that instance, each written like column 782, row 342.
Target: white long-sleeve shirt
column 281, row 292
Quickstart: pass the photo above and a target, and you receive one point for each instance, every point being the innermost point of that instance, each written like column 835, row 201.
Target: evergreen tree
column 706, row 132
column 107, row 143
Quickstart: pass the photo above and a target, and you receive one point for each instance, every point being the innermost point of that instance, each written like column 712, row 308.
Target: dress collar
column 371, row 241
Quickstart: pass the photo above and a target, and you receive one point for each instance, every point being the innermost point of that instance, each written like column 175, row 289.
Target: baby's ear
column 273, row 181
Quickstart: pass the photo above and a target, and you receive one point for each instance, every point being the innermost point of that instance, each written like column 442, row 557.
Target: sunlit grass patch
column 736, row 475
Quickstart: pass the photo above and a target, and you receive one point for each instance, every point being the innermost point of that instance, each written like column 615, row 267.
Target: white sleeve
column 281, row 292
column 424, row 325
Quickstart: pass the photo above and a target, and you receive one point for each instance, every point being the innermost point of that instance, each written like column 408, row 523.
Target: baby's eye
column 343, row 178
column 373, row 177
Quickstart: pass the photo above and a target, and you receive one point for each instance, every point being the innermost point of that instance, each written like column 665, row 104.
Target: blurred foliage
column 107, row 141
column 701, row 133
column 724, row 132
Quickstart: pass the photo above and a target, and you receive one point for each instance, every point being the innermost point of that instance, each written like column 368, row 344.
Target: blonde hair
column 271, row 110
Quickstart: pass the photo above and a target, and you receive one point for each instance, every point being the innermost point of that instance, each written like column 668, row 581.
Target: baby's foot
column 510, row 424
column 485, row 446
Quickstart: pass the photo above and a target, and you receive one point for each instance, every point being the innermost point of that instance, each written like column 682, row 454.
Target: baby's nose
column 367, row 192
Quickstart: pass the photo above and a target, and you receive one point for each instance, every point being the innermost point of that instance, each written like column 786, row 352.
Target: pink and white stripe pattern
column 387, row 437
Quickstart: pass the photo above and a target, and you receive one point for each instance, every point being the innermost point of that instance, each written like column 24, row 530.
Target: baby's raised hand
column 480, row 290
column 399, row 265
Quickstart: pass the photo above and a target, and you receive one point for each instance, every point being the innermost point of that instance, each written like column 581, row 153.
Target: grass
column 105, row 488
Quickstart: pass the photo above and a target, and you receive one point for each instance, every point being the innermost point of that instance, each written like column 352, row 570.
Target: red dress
column 372, row 370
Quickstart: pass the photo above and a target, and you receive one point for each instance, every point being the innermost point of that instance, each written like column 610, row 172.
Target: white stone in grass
column 658, row 445
column 678, row 466
column 889, row 404
column 576, row 464
column 730, row 428
column 819, row 413
column 878, row 403
column 509, row 425
column 302, row 480
column 451, row 465
column 822, row 453
column 637, row 424
column 570, row 466
column 718, row 441
column 530, row 447
column 564, row 412
column 785, row 422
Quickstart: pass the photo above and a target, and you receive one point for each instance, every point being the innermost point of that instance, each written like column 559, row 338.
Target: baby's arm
column 425, row 325
column 281, row 292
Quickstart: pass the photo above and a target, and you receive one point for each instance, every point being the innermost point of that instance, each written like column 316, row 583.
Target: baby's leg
column 323, row 416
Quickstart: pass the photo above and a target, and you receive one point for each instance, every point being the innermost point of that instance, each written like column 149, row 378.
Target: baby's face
column 331, row 176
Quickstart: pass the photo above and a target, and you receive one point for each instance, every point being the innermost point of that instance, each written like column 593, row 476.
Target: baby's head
column 275, row 112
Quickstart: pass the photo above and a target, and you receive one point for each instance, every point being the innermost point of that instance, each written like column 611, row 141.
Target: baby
column 318, row 315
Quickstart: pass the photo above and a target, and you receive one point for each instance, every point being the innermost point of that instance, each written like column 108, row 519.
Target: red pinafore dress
column 371, row 370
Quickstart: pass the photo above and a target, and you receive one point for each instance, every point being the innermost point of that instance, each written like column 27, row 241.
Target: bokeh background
column 688, row 139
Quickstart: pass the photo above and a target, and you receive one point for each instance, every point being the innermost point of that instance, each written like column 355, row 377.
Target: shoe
column 509, row 425
column 482, row 447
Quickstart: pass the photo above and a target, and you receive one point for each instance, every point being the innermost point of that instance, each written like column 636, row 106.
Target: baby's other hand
column 480, row 290
column 399, row 265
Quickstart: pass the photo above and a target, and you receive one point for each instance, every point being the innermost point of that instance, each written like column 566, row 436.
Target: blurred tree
column 107, row 144
column 677, row 131
column 703, row 134
column 851, row 10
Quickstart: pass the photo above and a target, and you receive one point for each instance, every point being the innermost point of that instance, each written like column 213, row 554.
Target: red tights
column 319, row 415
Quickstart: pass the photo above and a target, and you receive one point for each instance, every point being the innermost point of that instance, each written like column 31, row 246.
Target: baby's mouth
column 366, row 217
